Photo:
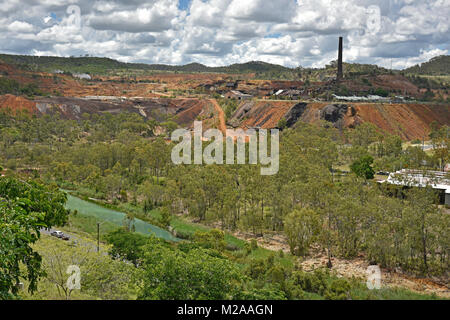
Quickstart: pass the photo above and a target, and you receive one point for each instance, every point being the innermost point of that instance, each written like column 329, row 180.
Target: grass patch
column 186, row 228
column 360, row 291
column 88, row 225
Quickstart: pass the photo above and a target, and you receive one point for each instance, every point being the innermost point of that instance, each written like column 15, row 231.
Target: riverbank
column 265, row 247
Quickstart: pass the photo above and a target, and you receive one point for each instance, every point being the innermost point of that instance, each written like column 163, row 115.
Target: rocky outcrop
column 340, row 115
column 295, row 113
column 333, row 112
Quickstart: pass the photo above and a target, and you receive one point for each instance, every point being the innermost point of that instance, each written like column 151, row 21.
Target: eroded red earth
column 149, row 96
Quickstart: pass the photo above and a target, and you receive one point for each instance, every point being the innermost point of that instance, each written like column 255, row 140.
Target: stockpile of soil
column 185, row 111
column 409, row 121
column 264, row 114
column 189, row 111
column 13, row 104
column 390, row 82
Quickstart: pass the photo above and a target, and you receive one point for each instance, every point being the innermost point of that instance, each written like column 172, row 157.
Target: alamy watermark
column 74, row 280
column 236, row 139
column 373, row 277
column 74, row 18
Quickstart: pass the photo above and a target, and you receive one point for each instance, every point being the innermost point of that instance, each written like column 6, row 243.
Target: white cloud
column 207, row 13
column 160, row 15
column 20, row 27
column 262, row 10
column 104, row 6
column 219, row 32
column 402, row 63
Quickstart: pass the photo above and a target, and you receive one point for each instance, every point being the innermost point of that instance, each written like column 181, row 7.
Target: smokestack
column 340, row 74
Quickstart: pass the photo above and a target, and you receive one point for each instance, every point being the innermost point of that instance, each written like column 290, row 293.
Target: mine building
column 419, row 179
column 234, row 94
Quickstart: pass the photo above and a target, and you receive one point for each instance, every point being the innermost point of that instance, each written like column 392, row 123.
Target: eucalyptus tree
column 25, row 208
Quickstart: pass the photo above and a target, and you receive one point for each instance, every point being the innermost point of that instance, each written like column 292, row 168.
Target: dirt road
column 75, row 240
column 221, row 115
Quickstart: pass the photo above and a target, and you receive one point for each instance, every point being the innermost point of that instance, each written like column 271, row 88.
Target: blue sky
column 183, row 4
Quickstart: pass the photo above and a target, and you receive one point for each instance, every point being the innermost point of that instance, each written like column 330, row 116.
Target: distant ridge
column 437, row 66
column 102, row 65
column 96, row 65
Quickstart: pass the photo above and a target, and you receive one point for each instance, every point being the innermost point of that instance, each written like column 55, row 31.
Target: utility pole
column 98, row 236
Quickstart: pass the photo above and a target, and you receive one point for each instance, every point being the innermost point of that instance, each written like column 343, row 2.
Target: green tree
column 170, row 274
column 100, row 276
column 363, row 167
column 25, row 208
column 301, row 227
column 126, row 245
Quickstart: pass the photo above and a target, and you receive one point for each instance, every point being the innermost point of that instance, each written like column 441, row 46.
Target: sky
column 397, row 33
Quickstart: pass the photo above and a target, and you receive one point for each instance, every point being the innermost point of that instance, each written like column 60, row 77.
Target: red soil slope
column 185, row 111
column 264, row 114
column 409, row 121
column 191, row 109
column 13, row 104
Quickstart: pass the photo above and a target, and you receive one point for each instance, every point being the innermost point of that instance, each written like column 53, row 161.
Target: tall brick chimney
column 340, row 74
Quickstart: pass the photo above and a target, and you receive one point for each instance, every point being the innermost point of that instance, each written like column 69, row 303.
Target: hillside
column 438, row 66
column 182, row 111
column 408, row 121
column 101, row 66
column 97, row 65
column 72, row 64
column 248, row 67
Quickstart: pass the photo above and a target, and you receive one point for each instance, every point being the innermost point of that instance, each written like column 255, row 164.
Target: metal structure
column 417, row 178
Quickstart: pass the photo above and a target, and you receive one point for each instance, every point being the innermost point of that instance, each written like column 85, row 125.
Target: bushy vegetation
column 69, row 65
column 116, row 159
column 203, row 270
column 363, row 167
column 101, row 277
column 229, row 106
column 436, row 66
column 95, row 65
column 13, row 87
column 25, row 208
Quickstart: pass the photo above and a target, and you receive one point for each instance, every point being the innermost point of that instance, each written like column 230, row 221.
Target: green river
column 90, row 209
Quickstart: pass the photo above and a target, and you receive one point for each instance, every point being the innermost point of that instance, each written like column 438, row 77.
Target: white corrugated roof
column 417, row 178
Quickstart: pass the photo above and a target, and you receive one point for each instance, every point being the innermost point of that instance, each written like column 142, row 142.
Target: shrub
column 381, row 92
column 214, row 239
column 322, row 283
column 253, row 244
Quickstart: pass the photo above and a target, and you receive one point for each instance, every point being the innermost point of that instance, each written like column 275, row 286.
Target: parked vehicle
column 58, row 234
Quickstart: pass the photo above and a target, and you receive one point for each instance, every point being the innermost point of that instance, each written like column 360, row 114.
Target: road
column 221, row 115
column 73, row 239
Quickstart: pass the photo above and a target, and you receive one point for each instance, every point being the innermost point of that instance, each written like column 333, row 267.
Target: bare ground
column 354, row 268
column 221, row 115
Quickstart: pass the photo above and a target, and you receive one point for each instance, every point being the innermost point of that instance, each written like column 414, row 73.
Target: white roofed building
column 418, row 178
